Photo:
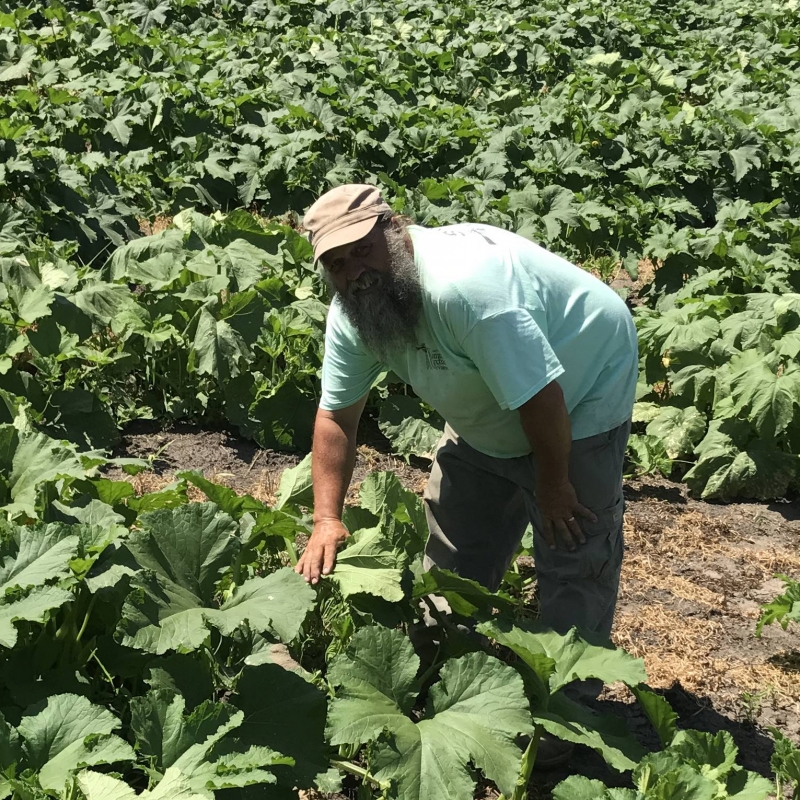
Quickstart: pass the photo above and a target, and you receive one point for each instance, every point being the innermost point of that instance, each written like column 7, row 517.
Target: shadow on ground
column 664, row 492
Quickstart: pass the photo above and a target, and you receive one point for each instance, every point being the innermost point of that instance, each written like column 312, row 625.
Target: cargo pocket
column 601, row 556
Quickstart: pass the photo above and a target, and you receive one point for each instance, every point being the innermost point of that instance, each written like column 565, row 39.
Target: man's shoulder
column 462, row 232
column 466, row 264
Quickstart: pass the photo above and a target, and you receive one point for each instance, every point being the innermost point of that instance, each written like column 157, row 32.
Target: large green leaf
column 101, row 302
column 723, row 471
column 574, row 657
column 34, row 304
column 464, row 596
column 44, row 554
column 161, row 615
column 700, row 766
column 32, row 608
column 218, row 349
column 296, row 487
column 245, row 263
column 36, row 459
column 381, row 493
column 696, row 383
column 285, row 713
column 690, row 335
column 741, row 784
column 20, row 64
column 277, row 603
column 659, row 712
column 133, row 254
column 712, row 754
column 285, row 419
column 183, row 552
column 370, row 565
column 156, row 272
column 190, row 545
column 680, row 429
column 576, row 787
column 173, row 786
column 473, row 715
column 186, row 674
column 234, row 769
column 744, row 158
column 671, row 780
column 198, row 744
column 67, row 733
column 606, row 734
column 398, row 509
column 768, row 397
column 409, row 428
column 697, row 766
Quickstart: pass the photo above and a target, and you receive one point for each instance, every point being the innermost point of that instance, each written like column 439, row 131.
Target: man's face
column 359, row 266
column 378, row 286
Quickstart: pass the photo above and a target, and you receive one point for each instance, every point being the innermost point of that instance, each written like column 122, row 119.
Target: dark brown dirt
column 241, row 464
column 694, row 577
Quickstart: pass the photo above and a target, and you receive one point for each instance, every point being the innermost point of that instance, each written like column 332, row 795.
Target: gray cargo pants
column 479, row 506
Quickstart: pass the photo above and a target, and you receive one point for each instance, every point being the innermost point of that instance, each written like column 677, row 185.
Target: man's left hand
column 560, row 509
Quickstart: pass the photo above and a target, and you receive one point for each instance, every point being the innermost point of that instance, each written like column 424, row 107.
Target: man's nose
column 353, row 271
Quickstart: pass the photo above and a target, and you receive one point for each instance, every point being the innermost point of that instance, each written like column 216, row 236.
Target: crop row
column 156, row 647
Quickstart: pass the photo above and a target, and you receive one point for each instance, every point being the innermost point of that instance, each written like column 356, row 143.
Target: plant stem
column 237, row 568
column 359, row 772
column 86, row 618
column 292, row 551
column 526, row 767
column 102, row 667
column 435, row 664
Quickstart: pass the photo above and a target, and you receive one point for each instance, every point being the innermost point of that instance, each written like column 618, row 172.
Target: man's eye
column 363, row 250
column 335, row 267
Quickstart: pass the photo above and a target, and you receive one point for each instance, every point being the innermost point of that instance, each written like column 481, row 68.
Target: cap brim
column 352, row 233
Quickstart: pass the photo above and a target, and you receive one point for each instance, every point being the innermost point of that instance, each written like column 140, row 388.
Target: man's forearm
column 332, row 462
column 545, row 421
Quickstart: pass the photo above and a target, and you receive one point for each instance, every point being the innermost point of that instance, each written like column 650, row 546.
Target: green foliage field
column 610, row 133
column 159, row 647
column 152, row 647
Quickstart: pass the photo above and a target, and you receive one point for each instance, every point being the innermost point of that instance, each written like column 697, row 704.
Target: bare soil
column 694, row 576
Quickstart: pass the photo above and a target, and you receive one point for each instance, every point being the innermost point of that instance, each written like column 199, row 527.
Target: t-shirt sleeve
column 348, row 368
column 513, row 356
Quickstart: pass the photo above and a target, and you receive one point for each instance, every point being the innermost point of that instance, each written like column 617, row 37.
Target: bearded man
column 531, row 361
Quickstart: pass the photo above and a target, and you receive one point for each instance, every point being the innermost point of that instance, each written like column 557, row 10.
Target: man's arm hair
column 546, row 423
column 333, row 458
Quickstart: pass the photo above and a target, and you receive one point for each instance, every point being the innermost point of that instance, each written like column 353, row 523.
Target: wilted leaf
column 218, row 350
column 370, row 565
column 410, row 429
column 296, row 487
column 679, row 429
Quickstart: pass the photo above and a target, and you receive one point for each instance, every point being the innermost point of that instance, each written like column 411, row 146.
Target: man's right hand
column 320, row 554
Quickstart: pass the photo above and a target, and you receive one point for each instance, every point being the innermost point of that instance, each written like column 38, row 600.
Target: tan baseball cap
column 343, row 215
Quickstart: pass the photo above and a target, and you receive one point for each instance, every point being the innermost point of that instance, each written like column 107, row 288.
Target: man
column 530, row 360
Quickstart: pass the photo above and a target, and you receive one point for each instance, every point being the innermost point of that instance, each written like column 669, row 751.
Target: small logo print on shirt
column 434, row 358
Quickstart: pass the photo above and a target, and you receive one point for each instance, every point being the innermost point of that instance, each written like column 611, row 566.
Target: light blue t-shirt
column 501, row 318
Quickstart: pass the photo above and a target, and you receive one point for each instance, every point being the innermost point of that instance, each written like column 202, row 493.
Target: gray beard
column 386, row 317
